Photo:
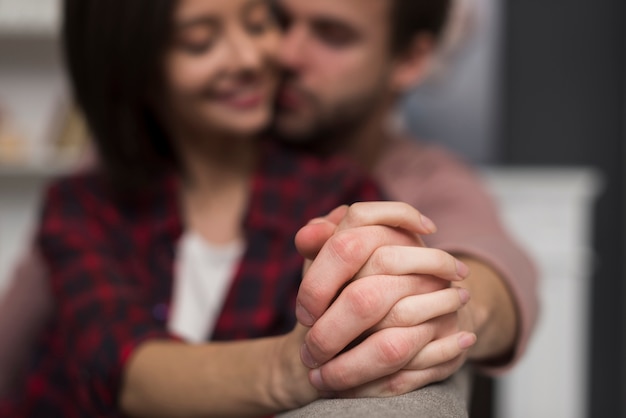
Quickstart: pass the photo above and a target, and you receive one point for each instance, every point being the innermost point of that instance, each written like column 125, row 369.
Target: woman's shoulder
column 90, row 190
column 79, row 183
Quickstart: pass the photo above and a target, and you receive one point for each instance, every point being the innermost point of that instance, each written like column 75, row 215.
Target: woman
column 185, row 233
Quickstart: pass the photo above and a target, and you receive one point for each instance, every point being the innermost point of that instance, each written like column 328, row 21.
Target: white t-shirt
column 202, row 276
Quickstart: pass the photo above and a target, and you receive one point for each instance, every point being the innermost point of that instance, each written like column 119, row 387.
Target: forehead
column 188, row 10
column 360, row 14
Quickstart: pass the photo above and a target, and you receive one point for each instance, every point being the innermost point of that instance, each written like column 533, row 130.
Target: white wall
column 32, row 90
column 550, row 213
column 32, row 87
column 19, row 202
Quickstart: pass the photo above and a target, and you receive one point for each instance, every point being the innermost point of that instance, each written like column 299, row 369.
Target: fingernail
column 306, row 357
column 428, row 224
column 461, row 269
column 315, row 378
column 467, row 340
column 464, row 294
column 316, row 221
column 304, row 317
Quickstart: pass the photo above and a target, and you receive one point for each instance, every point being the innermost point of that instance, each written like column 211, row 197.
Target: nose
column 292, row 47
column 245, row 54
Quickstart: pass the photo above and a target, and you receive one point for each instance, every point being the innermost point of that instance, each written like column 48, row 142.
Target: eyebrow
column 212, row 21
column 329, row 21
column 199, row 21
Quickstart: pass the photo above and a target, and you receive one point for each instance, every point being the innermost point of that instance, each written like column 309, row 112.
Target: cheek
column 181, row 82
column 343, row 74
column 188, row 76
column 184, row 87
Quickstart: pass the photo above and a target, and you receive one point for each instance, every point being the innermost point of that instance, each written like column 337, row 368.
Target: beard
column 328, row 127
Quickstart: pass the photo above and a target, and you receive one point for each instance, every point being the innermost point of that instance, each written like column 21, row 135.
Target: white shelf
column 34, row 171
column 29, row 34
column 29, row 18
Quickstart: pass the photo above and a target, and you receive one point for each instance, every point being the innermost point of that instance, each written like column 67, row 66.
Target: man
column 347, row 63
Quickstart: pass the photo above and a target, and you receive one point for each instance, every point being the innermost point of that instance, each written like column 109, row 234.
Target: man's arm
column 491, row 313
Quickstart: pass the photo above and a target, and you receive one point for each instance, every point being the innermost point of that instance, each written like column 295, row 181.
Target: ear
column 412, row 65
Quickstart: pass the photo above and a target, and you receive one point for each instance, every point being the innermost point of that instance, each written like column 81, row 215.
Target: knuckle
column 363, row 300
column 395, row 352
column 401, row 314
column 427, row 332
column 346, row 246
column 423, row 333
column 337, row 377
column 407, row 210
column 383, row 260
column 317, row 342
column 311, row 291
column 446, row 353
column 356, row 214
column 400, row 383
column 444, row 261
column 395, row 385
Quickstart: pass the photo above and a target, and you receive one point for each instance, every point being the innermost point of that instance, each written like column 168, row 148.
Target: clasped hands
column 378, row 312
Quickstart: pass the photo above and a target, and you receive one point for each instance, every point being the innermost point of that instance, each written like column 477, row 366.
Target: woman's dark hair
column 113, row 51
column 411, row 17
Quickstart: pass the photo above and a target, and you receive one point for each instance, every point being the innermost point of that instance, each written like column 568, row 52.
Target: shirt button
column 84, row 374
column 160, row 312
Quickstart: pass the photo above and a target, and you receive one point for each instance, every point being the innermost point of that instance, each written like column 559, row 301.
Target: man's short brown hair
column 412, row 17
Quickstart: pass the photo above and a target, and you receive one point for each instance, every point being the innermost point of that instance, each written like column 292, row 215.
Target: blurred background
column 531, row 92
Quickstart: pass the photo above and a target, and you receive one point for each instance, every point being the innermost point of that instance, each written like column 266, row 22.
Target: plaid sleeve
column 102, row 314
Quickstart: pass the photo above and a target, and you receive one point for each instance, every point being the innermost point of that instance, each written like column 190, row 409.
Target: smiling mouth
column 242, row 100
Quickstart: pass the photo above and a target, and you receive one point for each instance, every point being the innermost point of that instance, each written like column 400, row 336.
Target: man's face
column 338, row 65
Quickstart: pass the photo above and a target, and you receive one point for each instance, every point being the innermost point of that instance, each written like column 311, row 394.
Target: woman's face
column 220, row 67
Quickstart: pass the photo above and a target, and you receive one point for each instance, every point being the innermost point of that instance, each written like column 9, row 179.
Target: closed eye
column 334, row 33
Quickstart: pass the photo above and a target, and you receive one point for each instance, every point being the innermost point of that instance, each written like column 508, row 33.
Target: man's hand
column 383, row 318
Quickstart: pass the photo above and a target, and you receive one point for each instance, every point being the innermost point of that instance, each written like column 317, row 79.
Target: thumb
column 312, row 237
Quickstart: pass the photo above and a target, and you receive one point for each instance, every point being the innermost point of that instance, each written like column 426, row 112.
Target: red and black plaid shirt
column 111, row 269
